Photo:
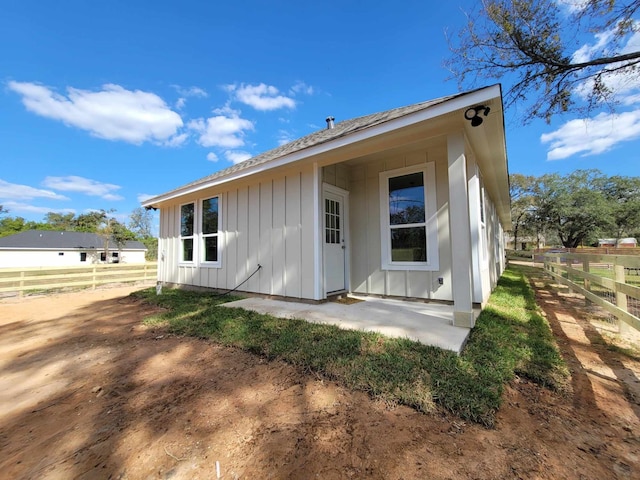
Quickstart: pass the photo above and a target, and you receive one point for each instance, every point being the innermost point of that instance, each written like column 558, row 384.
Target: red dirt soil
column 87, row 391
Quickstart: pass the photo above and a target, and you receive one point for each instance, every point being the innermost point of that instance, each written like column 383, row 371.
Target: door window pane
column 332, row 221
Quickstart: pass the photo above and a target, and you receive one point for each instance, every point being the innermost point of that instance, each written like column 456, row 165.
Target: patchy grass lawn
column 511, row 338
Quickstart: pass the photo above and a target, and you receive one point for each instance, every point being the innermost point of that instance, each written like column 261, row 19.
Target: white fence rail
column 23, row 280
column 610, row 281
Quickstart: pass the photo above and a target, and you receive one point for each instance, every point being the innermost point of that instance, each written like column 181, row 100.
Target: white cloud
column 573, row 6
column 284, row 137
column 212, row 157
column 83, row 185
column 236, row 156
column 112, row 113
column 191, row 91
column 587, row 52
column 226, row 129
column 18, row 207
column 624, row 83
column 176, row 140
column 143, row 197
column 188, row 92
column 261, row 97
column 592, row 136
column 301, row 87
column 25, row 192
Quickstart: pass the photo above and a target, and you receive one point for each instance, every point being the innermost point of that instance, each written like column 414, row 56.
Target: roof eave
column 447, row 106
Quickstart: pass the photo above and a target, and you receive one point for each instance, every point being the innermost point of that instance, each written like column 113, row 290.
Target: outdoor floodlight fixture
column 473, row 115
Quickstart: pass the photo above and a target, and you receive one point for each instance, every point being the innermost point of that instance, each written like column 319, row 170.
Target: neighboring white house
column 412, row 202
column 45, row 248
column 618, row 242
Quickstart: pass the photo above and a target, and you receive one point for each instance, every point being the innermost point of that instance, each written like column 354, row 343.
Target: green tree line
column 101, row 222
column 575, row 209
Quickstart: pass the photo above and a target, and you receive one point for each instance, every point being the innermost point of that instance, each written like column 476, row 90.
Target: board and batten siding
column 267, row 222
column 496, row 262
column 367, row 277
column 336, row 175
column 488, row 255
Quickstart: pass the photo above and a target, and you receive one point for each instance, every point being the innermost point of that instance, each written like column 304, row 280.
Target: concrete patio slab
column 428, row 323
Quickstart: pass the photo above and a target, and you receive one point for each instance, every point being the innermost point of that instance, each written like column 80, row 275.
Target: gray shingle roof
column 47, row 239
column 341, row 129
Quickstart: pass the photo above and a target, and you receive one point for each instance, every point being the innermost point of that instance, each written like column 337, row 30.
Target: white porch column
column 475, row 227
column 318, row 273
column 461, row 259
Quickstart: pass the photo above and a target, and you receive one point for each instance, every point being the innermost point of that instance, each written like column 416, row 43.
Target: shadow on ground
column 89, row 392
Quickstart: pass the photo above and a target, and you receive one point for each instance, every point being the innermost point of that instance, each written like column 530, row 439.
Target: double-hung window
column 210, row 231
column 408, row 219
column 187, row 218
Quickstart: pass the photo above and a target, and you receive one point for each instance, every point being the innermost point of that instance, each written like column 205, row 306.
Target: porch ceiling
column 486, row 141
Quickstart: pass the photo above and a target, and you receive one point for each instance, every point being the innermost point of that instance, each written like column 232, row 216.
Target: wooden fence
column 610, row 281
column 38, row 279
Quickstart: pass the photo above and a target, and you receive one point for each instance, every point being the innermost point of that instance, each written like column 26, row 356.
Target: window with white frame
column 187, row 217
column 408, row 219
column 210, row 224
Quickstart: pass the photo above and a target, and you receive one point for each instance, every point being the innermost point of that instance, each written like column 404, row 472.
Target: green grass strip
column 510, row 338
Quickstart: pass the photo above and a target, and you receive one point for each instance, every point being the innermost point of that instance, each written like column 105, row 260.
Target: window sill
column 410, row 267
column 211, row 265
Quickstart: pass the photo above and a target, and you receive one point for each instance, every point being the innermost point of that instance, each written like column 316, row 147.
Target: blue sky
column 106, row 103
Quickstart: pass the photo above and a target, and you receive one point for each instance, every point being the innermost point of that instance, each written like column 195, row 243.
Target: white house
column 618, row 242
column 409, row 203
column 46, row 248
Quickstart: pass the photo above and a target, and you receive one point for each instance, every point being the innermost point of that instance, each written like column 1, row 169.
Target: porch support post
column 318, row 274
column 461, row 258
column 475, row 227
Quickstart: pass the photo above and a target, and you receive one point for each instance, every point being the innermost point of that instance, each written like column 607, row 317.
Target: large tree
column 575, row 206
column 521, row 189
column 623, row 194
column 110, row 230
column 90, row 222
column 538, row 47
column 141, row 222
column 60, row 221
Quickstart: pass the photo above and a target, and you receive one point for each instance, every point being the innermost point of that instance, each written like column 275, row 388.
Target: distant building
column 618, row 242
column 45, row 248
column 524, row 242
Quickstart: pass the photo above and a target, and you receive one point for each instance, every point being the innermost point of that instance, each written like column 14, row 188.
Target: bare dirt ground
column 87, row 391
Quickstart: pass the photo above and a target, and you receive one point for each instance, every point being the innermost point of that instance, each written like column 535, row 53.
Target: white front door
column 334, row 240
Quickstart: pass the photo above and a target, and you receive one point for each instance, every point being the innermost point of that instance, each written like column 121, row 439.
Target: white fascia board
column 448, row 106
